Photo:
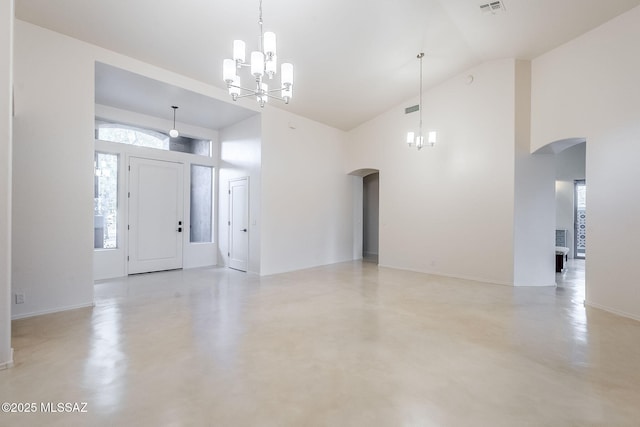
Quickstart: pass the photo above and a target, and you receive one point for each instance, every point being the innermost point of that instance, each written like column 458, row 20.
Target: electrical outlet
column 19, row 298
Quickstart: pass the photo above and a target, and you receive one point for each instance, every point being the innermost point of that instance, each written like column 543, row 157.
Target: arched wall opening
column 366, row 211
column 570, row 211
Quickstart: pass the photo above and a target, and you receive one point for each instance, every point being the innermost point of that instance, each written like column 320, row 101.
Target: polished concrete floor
column 344, row 345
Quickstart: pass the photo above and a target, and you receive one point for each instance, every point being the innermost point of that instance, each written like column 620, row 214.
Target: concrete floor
column 344, row 345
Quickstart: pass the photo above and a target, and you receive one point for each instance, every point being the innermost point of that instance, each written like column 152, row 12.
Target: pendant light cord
column 174, row 115
column 420, row 56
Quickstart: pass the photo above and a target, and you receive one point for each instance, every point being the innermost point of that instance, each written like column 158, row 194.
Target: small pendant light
column 173, row 133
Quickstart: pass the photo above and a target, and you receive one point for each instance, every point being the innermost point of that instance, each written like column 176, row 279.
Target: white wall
column 307, row 196
column 448, row 209
column 534, row 219
column 6, row 81
column 588, row 88
column 240, row 156
column 570, row 166
column 53, row 164
column 52, row 172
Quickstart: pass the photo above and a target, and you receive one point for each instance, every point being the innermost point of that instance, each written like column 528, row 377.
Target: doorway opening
column 370, row 217
column 570, row 159
column 366, row 211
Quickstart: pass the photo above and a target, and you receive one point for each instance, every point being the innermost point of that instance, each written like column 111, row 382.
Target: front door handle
column 244, row 229
column 179, row 229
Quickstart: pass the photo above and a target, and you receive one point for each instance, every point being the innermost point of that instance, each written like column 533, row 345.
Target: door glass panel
column 201, row 204
column 105, row 202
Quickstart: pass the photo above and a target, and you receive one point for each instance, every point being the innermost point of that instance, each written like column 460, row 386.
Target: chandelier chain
column 260, row 22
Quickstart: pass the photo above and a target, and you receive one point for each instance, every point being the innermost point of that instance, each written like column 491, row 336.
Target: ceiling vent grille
column 493, row 7
column 412, row 109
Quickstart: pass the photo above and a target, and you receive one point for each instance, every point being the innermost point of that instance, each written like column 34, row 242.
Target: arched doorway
column 366, row 214
column 570, row 209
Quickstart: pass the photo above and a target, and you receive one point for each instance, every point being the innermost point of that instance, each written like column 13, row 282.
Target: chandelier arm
column 274, row 96
column 276, row 90
column 253, row 91
column 246, row 95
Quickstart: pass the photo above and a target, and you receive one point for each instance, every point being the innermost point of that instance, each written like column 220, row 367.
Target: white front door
column 239, row 224
column 155, row 215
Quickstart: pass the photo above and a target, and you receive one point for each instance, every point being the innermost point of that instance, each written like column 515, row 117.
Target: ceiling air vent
column 493, row 7
column 411, row 109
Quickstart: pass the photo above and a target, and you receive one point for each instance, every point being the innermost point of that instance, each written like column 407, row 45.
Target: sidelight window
column 105, row 201
column 201, row 204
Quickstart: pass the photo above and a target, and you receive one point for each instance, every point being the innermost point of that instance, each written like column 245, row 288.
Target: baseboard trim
column 612, row 310
column 8, row 364
column 51, row 311
column 436, row 273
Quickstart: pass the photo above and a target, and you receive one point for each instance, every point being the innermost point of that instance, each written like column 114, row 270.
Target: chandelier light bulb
column 271, row 66
column 228, row 70
column 239, row 51
column 269, row 44
column 432, row 137
column 410, row 138
column 287, row 74
column 257, row 64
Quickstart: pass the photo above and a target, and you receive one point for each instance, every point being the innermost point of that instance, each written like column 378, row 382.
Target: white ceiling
column 132, row 92
column 353, row 59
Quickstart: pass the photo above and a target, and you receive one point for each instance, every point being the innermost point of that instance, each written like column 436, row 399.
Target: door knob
column 179, row 229
column 244, row 229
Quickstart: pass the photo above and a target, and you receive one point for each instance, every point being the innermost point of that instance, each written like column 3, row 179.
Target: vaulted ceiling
column 353, row 59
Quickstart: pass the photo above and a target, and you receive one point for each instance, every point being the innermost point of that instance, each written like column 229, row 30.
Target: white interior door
column 239, row 224
column 155, row 215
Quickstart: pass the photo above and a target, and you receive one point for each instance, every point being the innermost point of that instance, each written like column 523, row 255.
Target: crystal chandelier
column 418, row 139
column 263, row 65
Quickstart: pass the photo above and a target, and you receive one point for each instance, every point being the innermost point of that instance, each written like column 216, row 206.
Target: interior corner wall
column 570, row 166
column 447, row 209
column 6, row 83
column 534, row 196
column 241, row 156
column 307, row 196
column 588, row 88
